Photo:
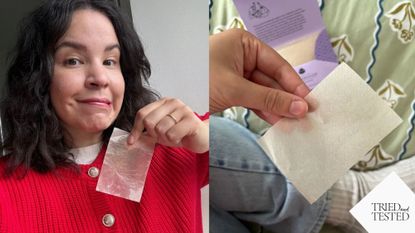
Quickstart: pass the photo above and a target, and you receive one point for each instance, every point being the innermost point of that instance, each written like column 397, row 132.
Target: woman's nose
column 97, row 76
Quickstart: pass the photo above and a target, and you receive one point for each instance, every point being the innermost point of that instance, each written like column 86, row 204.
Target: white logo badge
column 389, row 207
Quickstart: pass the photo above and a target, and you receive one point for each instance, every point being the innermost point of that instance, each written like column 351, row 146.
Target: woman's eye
column 110, row 62
column 72, row 62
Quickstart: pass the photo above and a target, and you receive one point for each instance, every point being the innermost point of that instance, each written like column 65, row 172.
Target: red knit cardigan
column 64, row 201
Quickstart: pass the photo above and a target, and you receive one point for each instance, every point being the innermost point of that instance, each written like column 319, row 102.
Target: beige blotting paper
column 125, row 167
column 348, row 119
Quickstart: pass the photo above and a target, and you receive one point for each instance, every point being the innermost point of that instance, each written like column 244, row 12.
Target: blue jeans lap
column 245, row 185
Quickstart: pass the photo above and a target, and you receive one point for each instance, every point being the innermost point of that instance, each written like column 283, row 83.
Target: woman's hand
column 173, row 124
column 246, row 72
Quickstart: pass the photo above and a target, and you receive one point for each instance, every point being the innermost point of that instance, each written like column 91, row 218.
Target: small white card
column 348, row 119
column 389, row 207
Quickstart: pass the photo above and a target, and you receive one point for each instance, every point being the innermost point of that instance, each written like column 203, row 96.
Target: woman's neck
column 82, row 139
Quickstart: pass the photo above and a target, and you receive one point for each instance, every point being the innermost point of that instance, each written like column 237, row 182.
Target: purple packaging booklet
column 295, row 29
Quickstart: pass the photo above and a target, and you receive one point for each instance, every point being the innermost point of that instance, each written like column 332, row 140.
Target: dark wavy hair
column 33, row 134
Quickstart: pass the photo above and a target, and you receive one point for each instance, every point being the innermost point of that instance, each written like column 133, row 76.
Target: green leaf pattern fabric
column 342, row 48
column 402, row 20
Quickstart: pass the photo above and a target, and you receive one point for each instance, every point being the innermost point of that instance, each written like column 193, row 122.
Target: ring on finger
column 173, row 118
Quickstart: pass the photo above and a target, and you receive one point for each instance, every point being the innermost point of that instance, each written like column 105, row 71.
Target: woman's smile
column 97, row 102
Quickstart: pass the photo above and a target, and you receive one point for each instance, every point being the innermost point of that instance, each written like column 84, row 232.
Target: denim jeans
column 245, row 186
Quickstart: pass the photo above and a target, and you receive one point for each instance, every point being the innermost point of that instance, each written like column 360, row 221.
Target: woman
column 79, row 71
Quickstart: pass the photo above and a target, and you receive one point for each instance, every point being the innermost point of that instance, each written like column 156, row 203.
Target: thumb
column 273, row 101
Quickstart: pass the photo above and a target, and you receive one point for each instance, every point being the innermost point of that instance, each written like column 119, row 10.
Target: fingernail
column 298, row 107
column 302, row 90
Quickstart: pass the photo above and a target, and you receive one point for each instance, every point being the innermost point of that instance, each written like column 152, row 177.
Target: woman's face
column 87, row 86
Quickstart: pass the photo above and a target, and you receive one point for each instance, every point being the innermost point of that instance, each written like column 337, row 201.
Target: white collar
column 86, row 155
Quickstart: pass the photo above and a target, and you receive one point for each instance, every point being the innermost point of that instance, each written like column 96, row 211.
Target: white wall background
column 175, row 38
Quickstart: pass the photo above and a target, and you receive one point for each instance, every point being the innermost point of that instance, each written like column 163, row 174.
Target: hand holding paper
column 172, row 123
column 349, row 118
column 243, row 71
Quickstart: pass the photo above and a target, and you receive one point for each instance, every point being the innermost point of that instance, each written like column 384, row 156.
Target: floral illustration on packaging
column 257, row 10
column 402, row 19
column 342, row 48
column 391, row 92
column 376, row 156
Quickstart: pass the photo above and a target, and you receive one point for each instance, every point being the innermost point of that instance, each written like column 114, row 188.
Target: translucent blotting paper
column 125, row 167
